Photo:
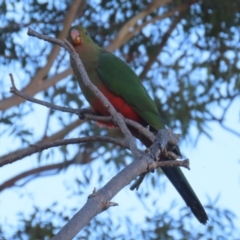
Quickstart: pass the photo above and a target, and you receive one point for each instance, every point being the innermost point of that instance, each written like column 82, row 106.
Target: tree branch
column 138, row 28
column 99, row 201
column 124, row 31
column 88, row 116
column 31, row 88
column 56, row 136
column 158, row 47
column 37, row 84
column 43, row 146
column 36, row 172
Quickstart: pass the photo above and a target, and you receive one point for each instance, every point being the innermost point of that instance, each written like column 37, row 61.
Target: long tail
column 179, row 181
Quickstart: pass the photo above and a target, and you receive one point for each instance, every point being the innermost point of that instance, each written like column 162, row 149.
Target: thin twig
column 88, row 116
column 171, row 163
column 36, row 172
column 14, row 90
column 40, row 147
column 56, row 136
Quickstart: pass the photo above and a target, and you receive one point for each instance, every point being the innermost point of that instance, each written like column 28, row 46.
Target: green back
column 124, row 82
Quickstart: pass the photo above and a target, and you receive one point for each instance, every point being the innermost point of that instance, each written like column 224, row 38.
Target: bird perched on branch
column 122, row 87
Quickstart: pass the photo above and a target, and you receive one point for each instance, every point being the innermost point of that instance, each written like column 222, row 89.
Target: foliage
column 162, row 225
column 191, row 51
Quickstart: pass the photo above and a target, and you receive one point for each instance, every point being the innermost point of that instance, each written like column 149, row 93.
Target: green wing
column 124, row 82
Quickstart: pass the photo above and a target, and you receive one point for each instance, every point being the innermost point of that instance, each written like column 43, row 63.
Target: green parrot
column 122, row 87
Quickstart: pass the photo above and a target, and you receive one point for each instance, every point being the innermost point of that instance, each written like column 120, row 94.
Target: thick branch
column 98, row 203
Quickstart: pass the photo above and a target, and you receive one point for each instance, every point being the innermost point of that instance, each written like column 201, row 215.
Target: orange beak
column 76, row 38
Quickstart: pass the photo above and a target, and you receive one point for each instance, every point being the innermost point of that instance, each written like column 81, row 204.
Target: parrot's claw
column 164, row 145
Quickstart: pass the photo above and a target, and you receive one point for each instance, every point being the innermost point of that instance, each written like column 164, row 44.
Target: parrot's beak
column 76, row 38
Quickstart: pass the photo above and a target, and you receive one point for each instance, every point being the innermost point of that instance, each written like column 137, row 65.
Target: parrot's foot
column 83, row 111
column 165, row 145
column 163, row 148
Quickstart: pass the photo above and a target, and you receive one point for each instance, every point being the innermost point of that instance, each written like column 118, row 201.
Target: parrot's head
column 78, row 35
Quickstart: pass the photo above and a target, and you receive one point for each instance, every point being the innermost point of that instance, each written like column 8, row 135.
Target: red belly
column 119, row 104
